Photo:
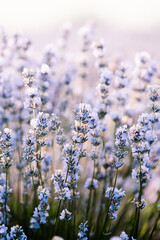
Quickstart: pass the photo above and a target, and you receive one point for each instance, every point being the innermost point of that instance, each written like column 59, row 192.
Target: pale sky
column 28, row 15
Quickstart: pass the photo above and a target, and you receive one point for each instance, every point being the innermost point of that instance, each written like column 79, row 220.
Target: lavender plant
column 76, row 161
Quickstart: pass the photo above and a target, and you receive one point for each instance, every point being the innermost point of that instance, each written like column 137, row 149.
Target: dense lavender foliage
column 79, row 141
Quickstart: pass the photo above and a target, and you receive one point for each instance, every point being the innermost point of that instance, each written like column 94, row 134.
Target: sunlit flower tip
column 122, row 137
column 67, row 27
column 106, row 77
column 139, row 205
column 91, row 183
column 99, row 49
column 65, row 215
column 41, row 124
column 84, row 31
column 7, row 131
column 154, row 92
column 31, row 92
column 44, row 69
column 54, row 123
column 93, row 123
column 150, row 137
column 28, row 75
column 135, row 133
column 154, row 117
column 142, row 58
column 83, row 107
column 144, row 174
column 6, row 144
column 102, row 126
column 144, row 121
column 86, row 34
column 31, row 171
column 94, row 155
column 118, row 193
column 124, row 236
column 116, row 116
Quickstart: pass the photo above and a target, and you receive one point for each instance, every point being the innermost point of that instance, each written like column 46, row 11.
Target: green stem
column 137, row 214
column 107, row 215
column 55, row 227
column 154, row 227
column 88, row 203
column 74, row 214
column 90, row 194
column 6, row 198
column 101, row 209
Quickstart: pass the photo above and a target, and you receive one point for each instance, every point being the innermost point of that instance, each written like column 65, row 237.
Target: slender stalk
column 115, row 181
column 90, row 191
column 88, row 203
column 74, row 214
column 52, row 166
column 137, row 214
column 107, row 215
column 39, row 173
column 93, row 207
column 154, row 227
column 19, row 180
column 55, row 228
column 19, row 192
column 38, row 164
column 101, row 204
column 5, row 221
column 134, row 222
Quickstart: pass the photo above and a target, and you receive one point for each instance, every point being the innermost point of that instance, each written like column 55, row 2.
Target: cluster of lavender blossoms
column 83, row 229
column 79, row 140
column 142, row 137
column 32, row 98
column 114, row 195
column 16, row 232
column 103, row 92
column 121, row 143
column 41, row 212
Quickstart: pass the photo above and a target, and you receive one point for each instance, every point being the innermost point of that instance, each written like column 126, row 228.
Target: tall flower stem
column 101, row 203
column 109, row 203
column 88, row 203
column 74, row 213
column 56, row 225
column 137, row 213
column 54, row 229
column 90, row 194
column 6, row 198
column 154, row 227
column 135, row 233
column 38, row 164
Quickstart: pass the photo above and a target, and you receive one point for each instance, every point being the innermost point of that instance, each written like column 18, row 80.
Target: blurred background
column 127, row 26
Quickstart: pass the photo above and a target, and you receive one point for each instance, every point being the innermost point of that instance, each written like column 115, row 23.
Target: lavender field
column 79, row 139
